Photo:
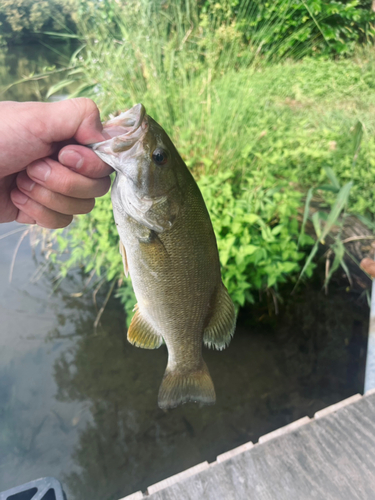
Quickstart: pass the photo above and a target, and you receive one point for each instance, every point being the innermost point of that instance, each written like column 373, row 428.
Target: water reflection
column 33, row 442
column 272, row 377
column 22, row 61
column 82, row 405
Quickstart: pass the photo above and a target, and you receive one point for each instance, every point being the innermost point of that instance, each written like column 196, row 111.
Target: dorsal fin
column 222, row 323
column 124, row 259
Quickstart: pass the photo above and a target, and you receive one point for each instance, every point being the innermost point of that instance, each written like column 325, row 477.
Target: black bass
column 169, row 248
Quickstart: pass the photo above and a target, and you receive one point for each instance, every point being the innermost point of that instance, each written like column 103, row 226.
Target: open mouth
column 122, row 133
column 126, row 123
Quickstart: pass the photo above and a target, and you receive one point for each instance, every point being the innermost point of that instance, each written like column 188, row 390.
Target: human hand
column 36, row 187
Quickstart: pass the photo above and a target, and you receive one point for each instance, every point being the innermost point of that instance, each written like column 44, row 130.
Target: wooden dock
column 328, row 457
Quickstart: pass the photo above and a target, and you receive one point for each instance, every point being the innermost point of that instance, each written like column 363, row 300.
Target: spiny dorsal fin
column 222, row 323
column 142, row 334
column 195, row 386
column 124, row 259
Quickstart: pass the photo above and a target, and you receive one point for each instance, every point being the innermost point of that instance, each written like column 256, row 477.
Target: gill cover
column 145, row 190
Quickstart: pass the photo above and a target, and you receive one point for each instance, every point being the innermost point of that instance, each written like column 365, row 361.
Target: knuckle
column 44, row 197
column 67, row 186
column 39, row 128
column 87, row 104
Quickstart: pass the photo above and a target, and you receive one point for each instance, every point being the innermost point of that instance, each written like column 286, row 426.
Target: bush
column 25, row 20
column 256, row 133
column 256, row 230
column 296, row 27
column 305, row 26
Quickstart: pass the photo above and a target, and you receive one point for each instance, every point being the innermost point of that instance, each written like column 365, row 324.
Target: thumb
column 75, row 118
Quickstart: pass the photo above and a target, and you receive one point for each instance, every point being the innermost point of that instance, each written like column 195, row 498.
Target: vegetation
column 23, row 20
column 257, row 128
column 257, row 106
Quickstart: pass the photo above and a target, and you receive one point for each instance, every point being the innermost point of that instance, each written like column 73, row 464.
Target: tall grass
column 258, row 128
column 192, row 70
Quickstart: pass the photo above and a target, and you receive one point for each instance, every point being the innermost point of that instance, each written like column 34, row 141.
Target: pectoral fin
column 142, row 334
column 221, row 325
column 124, row 259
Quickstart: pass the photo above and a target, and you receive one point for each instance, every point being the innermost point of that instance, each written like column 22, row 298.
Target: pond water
column 81, row 405
column 23, row 61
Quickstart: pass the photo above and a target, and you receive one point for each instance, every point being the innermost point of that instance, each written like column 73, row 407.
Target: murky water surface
column 32, row 62
column 82, row 405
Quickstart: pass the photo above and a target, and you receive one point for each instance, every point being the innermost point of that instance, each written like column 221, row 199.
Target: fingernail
column 19, row 197
column 26, row 183
column 71, row 159
column 40, row 171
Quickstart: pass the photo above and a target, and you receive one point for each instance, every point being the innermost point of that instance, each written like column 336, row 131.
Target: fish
column 168, row 247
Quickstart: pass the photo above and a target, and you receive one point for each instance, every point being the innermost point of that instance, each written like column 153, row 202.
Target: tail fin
column 177, row 388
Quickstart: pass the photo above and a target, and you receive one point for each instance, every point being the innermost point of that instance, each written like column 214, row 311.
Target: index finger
column 84, row 161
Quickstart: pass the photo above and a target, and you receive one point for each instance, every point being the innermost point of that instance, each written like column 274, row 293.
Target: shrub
column 256, row 230
column 307, row 26
column 24, row 20
column 256, row 133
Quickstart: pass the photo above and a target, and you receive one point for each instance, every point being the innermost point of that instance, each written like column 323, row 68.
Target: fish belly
column 174, row 276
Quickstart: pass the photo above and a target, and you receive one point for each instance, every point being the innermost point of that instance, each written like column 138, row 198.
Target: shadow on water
column 271, row 375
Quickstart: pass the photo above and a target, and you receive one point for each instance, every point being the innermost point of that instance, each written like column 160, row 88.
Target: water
column 81, row 405
column 22, row 61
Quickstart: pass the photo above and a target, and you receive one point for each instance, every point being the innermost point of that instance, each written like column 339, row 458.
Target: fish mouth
column 122, row 133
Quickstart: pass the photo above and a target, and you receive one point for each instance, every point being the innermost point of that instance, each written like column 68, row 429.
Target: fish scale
column 169, row 248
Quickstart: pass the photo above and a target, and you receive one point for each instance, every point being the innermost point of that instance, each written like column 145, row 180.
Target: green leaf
column 328, row 187
column 346, row 270
column 332, row 177
column 58, row 86
column 316, row 222
column 337, row 208
column 250, row 249
column 307, row 263
column 305, row 214
column 277, row 229
column 357, row 138
column 339, row 250
column 250, row 218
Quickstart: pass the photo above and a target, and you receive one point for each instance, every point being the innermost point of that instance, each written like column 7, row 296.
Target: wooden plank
column 331, row 458
column 138, row 495
column 236, row 451
column 176, row 478
column 337, row 406
column 282, row 430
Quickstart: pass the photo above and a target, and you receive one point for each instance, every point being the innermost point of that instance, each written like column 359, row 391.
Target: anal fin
column 124, row 258
column 142, row 334
column 222, row 322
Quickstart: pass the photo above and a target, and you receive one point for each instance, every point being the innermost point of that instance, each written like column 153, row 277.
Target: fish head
column 148, row 167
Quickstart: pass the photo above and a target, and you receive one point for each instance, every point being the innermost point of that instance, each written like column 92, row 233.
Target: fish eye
column 159, row 156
